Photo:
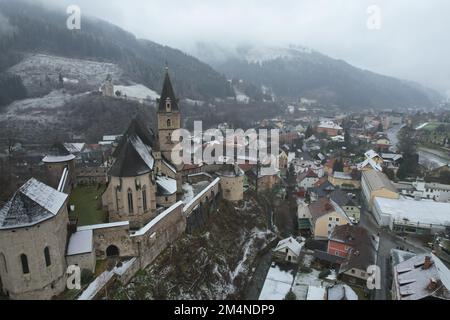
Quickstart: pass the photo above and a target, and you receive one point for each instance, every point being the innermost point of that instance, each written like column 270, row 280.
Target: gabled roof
column 370, row 155
column 33, row 203
column 378, row 180
column 291, row 244
column 167, row 93
column 412, row 281
column 134, row 153
column 363, row 250
column 341, row 198
column 320, row 208
column 308, row 174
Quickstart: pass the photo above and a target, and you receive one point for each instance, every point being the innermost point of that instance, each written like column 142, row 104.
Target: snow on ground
column 188, row 192
column 137, row 91
column 277, row 285
column 38, row 108
column 192, row 102
column 311, row 279
column 97, row 285
column 241, row 97
column 39, row 68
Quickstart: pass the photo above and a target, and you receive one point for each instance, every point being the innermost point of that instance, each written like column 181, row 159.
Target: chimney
column 432, row 286
column 427, row 263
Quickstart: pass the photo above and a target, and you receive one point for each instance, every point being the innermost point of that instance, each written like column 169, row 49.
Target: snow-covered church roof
column 33, row 203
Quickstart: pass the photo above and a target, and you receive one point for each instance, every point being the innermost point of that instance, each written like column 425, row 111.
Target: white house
column 288, row 250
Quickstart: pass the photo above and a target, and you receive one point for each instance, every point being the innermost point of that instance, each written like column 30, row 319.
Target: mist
column 411, row 42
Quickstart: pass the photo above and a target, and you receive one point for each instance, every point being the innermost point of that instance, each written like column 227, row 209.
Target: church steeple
column 168, row 102
column 169, row 118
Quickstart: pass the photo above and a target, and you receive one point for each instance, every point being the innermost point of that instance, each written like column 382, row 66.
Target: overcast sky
column 413, row 41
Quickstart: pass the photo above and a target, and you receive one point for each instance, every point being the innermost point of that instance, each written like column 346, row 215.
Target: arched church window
column 130, row 201
column 168, row 105
column 144, row 198
column 169, row 123
column 48, row 261
column 24, row 261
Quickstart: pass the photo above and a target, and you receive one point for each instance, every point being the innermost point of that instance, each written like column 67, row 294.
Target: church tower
column 169, row 118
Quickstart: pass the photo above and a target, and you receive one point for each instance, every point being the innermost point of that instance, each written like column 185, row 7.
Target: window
column 144, row 198
column 3, row 265
column 353, row 271
column 168, row 105
column 48, row 261
column 24, row 260
column 337, row 219
column 330, row 219
column 363, row 274
column 130, row 201
column 169, row 123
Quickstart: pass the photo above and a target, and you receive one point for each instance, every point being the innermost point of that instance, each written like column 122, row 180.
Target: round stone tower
column 57, row 159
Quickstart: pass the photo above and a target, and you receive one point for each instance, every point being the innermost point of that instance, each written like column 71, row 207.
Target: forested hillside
column 28, row 28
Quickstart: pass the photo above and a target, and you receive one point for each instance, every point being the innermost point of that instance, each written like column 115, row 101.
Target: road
column 388, row 241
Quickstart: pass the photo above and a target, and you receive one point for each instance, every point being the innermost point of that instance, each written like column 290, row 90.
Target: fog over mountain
column 411, row 44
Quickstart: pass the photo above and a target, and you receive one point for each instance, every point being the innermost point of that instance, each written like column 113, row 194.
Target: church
column 143, row 200
column 143, row 180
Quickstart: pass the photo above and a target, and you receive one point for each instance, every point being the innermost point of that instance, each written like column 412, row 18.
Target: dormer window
column 168, row 105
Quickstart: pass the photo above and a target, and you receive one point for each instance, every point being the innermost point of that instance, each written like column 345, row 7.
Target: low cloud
column 412, row 41
column 5, row 27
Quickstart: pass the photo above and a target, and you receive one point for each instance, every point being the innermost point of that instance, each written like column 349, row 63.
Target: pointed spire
column 167, row 93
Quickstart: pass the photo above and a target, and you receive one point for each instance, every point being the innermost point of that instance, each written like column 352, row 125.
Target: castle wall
column 84, row 261
column 157, row 235
column 112, row 234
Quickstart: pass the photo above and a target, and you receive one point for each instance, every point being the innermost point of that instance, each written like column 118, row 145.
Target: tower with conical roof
column 169, row 118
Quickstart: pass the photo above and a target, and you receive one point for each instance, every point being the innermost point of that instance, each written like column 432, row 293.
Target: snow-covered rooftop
column 330, row 125
column 316, row 293
column 413, row 211
column 80, row 242
column 74, row 147
column 144, row 151
column 104, row 226
column 34, row 202
column 277, row 284
column 290, row 243
column 342, row 175
column 168, row 184
column 57, row 159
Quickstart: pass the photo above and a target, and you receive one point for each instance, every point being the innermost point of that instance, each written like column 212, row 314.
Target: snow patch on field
column 40, row 109
column 137, row 91
column 39, row 69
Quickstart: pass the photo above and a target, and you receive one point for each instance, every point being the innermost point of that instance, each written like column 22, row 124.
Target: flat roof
column 80, row 242
column 415, row 211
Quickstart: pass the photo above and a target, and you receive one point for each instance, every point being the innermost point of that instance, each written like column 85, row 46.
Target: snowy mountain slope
column 40, row 72
column 299, row 72
column 41, row 30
